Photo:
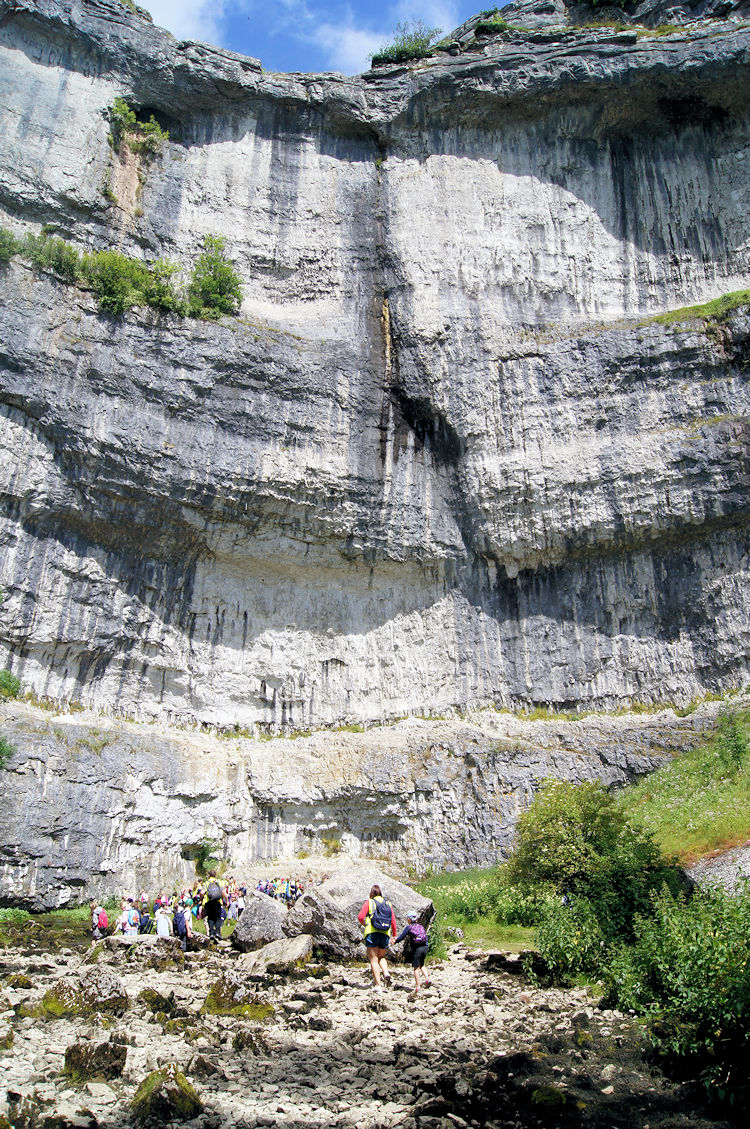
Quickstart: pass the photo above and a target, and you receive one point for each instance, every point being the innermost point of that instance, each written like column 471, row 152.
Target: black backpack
column 213, row 891
column 179, row 923
column 381, row 915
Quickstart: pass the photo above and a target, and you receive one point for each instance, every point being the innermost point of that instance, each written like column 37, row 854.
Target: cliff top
column 543, row 52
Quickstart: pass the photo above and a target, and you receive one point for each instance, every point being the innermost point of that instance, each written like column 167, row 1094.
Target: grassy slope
column 696, row 804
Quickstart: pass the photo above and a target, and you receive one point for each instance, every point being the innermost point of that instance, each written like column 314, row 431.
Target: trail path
column 481, row 1047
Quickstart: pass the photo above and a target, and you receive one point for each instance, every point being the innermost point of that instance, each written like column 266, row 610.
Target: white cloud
column 349, row 43
column 347, row 48
column 190, row 19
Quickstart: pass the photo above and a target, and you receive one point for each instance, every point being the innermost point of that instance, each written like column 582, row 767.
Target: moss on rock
column 84, row 1061
column 166, row 1094
column 231, row 996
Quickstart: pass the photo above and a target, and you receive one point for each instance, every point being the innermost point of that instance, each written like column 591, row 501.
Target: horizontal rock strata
column 442, row 457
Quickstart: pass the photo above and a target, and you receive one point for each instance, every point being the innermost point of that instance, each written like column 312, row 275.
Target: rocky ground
column 316, row 1047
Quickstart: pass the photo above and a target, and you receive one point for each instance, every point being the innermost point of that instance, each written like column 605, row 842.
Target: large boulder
column 348, row 888
column 261, row 922
column 94, row 990
column 94, row 1060
column 335, row 933
column 282, row 957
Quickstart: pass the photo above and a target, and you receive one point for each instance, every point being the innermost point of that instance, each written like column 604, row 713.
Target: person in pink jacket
column 379, row 921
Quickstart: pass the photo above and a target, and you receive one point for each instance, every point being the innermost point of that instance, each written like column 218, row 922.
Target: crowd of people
column 176, row 915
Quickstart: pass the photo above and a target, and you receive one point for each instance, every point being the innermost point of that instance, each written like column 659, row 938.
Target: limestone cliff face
column 94, row 806
column 442, row 457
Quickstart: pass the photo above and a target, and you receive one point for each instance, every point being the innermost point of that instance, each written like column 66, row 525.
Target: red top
column 361, row 916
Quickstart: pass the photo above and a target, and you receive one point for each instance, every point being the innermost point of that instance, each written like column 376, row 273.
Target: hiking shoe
column 377, row 988
column 427, row 983
column 387, row 978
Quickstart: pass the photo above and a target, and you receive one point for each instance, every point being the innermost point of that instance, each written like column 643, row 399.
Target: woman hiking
column 379, row 921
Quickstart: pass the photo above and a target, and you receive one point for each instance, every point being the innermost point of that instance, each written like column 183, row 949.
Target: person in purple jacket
column 418, row 937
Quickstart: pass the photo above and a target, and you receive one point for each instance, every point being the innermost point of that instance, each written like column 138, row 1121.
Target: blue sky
column 305, row 35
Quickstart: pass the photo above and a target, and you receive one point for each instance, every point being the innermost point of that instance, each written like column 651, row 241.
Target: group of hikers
column 176, row 915
column 379, row 921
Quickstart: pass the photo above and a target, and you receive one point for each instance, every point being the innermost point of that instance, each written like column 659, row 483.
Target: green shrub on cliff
column 412, row 40
column 214, row 287
column 9, row 245
column 6, row 751
column 117, row 281
column 142, row 137
column 10, row 686
column 121, row 282
column 48, row 253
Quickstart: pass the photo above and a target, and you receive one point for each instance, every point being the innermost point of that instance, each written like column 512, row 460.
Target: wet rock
column 166, row 1094
column 262, row 921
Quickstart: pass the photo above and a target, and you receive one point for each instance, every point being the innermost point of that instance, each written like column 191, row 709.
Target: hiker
column 379, row 921
column 129, row 919
column 417, row 934
column 163, row 922
column 213, row 909
column 99, row 922
column 182, row 926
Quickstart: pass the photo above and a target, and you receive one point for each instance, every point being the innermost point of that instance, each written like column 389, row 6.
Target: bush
column 117, row 281
column 214, row 284
column 731, row 742
column 689, row 969
column 413, row 40
column 491, row 27
column 160, row 291
column 10, row 686
column 9, row 245
column 570, row 939
column 6, row 751
column 46, row 253
column 145, row 138
column 574, row 839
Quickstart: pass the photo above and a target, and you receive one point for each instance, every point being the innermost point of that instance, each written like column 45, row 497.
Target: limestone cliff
column 444, row 456
column 99, row 805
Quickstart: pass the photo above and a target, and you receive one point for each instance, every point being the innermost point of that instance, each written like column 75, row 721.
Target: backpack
column 418, row 935
column 134, row 918
column 213, row 891
column 380, row 915
column 179, row 923
column 102, row 921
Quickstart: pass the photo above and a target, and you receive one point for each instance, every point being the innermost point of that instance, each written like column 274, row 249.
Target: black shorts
column 418, row 955
column 377, row 941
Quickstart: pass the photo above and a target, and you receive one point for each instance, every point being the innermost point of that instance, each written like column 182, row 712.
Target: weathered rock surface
column 336, row 933
column 278, row 957
column 261, row 922
column 481, row 1047
column 350, row 887
column 728, row 869
column 441, row 459
column 130, row 801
